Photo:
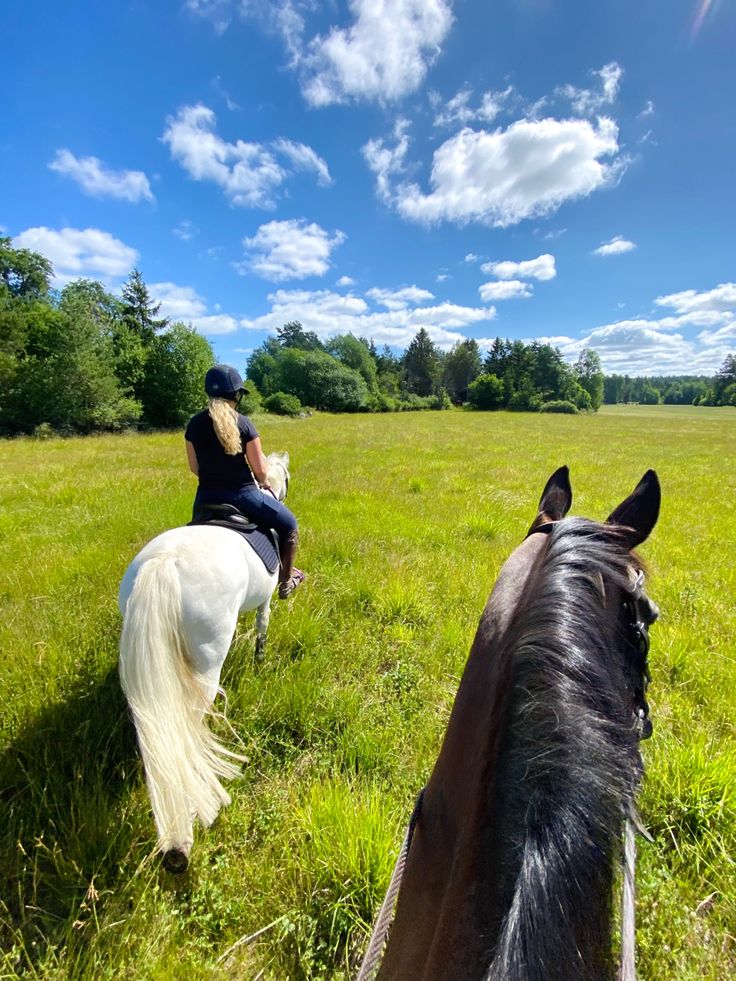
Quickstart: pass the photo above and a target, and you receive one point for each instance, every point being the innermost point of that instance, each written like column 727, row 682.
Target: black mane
column 569, row 760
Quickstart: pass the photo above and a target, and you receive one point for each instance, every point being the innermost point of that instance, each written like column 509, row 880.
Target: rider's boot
column 289, row 577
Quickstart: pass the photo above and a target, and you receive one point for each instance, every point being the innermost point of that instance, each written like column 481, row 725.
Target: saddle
column 263, row 541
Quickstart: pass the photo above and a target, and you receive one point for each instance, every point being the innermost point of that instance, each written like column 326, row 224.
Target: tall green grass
column 405, row 521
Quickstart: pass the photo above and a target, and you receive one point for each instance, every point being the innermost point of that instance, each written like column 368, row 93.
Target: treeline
column 674, row 389
column 349, row 374
column 81, row 359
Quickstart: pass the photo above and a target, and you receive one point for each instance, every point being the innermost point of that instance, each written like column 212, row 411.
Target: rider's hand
column 266, row 486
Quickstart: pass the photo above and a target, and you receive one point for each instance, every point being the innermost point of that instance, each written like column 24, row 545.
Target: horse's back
column 212, row 564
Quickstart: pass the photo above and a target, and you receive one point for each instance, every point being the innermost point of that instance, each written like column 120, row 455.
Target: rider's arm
column 257, row 461
column 192, row 458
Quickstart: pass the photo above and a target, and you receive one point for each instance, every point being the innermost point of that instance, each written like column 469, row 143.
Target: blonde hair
column 225, row 420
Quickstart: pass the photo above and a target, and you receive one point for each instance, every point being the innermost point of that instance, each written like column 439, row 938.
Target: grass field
column 405, row 522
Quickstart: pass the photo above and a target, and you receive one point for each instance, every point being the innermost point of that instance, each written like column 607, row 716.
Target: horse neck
column 511, row 866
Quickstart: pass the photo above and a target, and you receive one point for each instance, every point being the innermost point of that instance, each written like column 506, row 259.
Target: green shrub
column 559, row 405
column 251, row 401
column 525, row 400
column 486, row 392
column 381, row 402
column 441, row 400
column 282, row 404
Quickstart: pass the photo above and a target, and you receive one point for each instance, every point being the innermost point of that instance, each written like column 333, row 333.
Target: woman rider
column 224, row 452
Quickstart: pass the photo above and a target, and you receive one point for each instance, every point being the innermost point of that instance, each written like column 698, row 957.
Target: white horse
column 180, row 599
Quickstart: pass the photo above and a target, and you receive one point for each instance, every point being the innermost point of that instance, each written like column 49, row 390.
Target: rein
column 640, row 614
column 382, row 924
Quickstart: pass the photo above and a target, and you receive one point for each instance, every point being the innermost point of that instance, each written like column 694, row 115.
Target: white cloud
column 78, row 252
column 328, row 313
column 185, row 230
column 218, row 323
column 383, row 55
column 646, row 346
column 527, row 170
column 585, row 102
column 720, row 299
column 249, row 173
column 724, row 336
column 344, row 281
column 648, row 110
column 95, row 179
column 400, row 299
column 471, row 257
column 290, row 249
column 510, row 289
column 178, row 302
column 458, row 111
column 542, row 268
column 554, row 233
column 185, row 304
column 615, row 246
column 304, row 158
column 639, row 348
column 385, row 161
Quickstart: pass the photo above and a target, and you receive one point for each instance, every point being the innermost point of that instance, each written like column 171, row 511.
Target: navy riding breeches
column 257, row 505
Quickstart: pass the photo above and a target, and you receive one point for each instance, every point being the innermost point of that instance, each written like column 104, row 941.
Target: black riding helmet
column 224, row 382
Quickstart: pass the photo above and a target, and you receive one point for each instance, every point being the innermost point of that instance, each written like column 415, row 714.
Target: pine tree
column 421, row 364
column 139, row 310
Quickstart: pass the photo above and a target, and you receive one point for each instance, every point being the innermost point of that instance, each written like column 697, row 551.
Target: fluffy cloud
column 290, row 249
column 345, row 281
column 383, row 55
column 500, row 178
column 400, row 299
column 720, row 299
column 585, row 102
column 95, row 179
column 510, row 289
column 184, row 303
column 76, row 252
column 249, row 173
column 543, row 268
column 667, row 345
column 639, row 348
column 614, row 246
column 328, row 313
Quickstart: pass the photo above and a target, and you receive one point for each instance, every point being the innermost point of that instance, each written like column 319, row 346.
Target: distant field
column 405, row 522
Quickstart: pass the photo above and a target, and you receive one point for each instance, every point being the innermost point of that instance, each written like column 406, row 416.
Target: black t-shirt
column 217, row 470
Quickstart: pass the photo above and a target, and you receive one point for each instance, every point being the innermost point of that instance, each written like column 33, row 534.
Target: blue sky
column 521, row 168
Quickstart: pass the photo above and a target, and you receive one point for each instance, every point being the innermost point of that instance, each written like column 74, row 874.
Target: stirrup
column 287, row 587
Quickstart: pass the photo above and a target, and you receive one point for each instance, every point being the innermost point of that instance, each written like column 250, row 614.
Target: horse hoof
column 260, row 648
column 176, row 860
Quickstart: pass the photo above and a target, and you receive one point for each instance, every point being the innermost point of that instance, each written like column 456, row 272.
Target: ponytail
column 225, row 420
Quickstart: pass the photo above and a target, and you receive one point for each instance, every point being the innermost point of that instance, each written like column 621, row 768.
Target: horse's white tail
column 181, row 756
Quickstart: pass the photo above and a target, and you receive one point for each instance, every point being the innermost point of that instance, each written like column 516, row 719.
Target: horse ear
column 639, row 512
column 555, row 500
column 557, row 495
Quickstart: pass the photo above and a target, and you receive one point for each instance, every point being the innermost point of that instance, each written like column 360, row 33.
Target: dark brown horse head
column 510, row 869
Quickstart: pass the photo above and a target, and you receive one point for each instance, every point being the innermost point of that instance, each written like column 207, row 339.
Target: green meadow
column 405, row 520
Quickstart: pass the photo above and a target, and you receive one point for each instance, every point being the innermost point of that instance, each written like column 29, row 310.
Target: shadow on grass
column 64, row 830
